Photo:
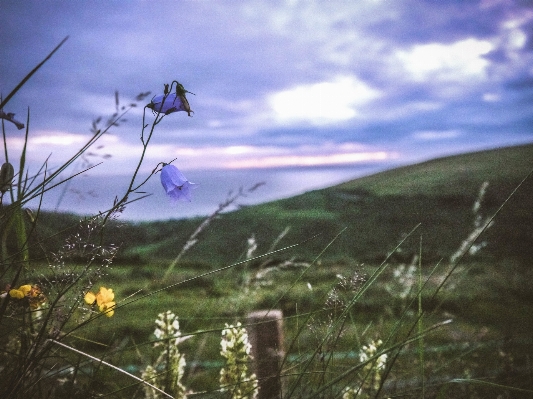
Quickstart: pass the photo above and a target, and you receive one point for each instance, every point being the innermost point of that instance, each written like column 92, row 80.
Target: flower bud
column 6, row 176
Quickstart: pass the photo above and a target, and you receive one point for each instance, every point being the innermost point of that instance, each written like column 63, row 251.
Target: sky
column 298, row 94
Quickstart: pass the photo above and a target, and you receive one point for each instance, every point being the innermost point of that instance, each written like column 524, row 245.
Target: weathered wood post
column 265, row 333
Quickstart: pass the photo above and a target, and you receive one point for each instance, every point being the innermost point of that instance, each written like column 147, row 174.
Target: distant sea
column 87, row 195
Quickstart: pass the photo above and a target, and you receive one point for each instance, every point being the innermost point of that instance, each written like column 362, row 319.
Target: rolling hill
column 377, row 212
column 374, row 213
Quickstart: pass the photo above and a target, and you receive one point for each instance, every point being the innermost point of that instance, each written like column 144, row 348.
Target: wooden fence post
column 265, row 333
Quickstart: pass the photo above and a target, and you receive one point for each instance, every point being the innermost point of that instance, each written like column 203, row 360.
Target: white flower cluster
column 371, row 372
column 150, row 375
column 470, row 244
column 367, row 351
column 350, row 393
column 169, row 368
column 234, row 376
column 167, row 327
column 404, row 279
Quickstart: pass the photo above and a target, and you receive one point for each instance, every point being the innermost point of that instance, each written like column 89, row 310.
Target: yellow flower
column 19, row 294
column 34, row 294
column 90, row 298
column 104, row 296
column 25, row 288
column 104, row 300
column 105, row 308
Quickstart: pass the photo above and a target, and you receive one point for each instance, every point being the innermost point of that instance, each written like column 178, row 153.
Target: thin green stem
column 29, row 75
column 420, row 320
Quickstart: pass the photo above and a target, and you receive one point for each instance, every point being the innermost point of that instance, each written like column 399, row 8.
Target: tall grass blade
column 29, row 75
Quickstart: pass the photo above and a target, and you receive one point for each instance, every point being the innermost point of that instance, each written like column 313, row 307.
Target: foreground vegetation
column 411, row 283
column 489, row 336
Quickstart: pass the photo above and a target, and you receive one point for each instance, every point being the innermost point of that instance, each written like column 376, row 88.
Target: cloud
column 310, row 160
column 491, row 97
column 322, row 103
column 436, row 135
column 48, row 139
column 459, row 61
column 252, row 157
column 120, row 156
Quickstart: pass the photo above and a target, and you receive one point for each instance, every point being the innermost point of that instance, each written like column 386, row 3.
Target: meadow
column 415, row 282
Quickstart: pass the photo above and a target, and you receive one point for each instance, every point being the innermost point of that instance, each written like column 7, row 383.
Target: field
column 489, row 336
column 388, row 257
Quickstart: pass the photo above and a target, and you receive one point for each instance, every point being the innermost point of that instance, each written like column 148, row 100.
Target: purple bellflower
column 169, row 103
column 175, row 184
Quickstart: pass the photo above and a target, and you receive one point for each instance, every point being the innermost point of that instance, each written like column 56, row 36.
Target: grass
column 489, row 322
column 371, row 295
column 485, row 321
column 455, row 175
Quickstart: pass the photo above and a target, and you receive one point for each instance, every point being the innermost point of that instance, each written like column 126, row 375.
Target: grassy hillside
column 377, row 211
column 458, row 175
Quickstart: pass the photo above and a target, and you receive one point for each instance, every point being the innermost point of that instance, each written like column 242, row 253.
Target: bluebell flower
column 169, row 103
column 175, row 184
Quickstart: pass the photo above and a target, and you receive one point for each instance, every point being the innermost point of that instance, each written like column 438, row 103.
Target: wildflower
column 372, row 369
column 368, row 351
column 404, row 278
column 169, row 103
column 167, row 326
column 171, row 360
column 350, row 393
column 175, row 183
column 371, row 373
column 103, row 299
column 234, row 376
column 20, row 292
column 31, row 292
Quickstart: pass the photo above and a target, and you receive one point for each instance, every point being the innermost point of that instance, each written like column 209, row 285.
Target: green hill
column 455, row 175
column 377, row 212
